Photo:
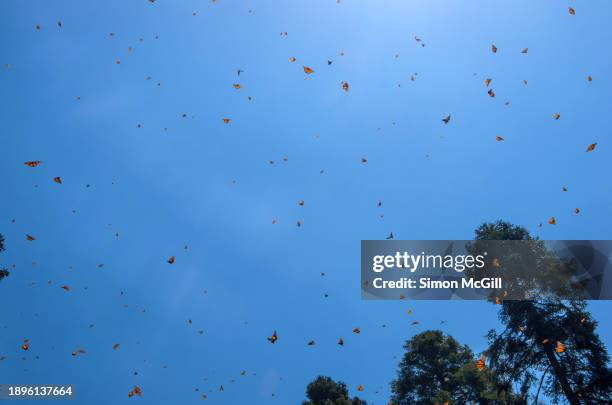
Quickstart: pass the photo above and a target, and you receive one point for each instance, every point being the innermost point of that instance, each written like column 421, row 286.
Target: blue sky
column 200, row 183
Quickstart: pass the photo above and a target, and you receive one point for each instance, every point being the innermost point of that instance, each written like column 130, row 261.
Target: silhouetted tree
column 548, row 341
column 325, row 391
column 3, row 272
column 436, row 369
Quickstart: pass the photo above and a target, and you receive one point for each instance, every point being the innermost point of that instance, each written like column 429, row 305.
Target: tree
column 550, row 339
column 3, row 272
column 436, row 369
column 325, row 391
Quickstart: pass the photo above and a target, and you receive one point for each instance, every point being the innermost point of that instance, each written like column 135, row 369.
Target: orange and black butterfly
column 308, row 70
column 446, row 119
column 273, row 338
column 32, row 163
column 592, row 147
column 481, row 363
column 560, row 347
column 171, row 260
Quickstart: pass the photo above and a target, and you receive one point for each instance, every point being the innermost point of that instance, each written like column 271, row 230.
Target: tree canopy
column 325, row 391
column 436, row 369
column 547, row 341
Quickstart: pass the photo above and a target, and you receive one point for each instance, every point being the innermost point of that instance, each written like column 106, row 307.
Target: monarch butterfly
column 227, row 120
column 592, row 147
column 308, row 70
column 560, row 347
column 552, row 221
column 32, row 163
column 171, row 260
column 481, row 364
column 273, row 338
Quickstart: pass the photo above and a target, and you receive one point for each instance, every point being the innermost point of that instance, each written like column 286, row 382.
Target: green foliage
column 525, row 352
column 325, row 391
column 437, row 369
column 501, row 230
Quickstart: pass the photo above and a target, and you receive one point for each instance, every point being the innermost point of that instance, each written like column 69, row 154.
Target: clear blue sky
column 208, row 185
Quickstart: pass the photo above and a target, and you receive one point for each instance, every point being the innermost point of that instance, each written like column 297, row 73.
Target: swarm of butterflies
column 344, row 86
